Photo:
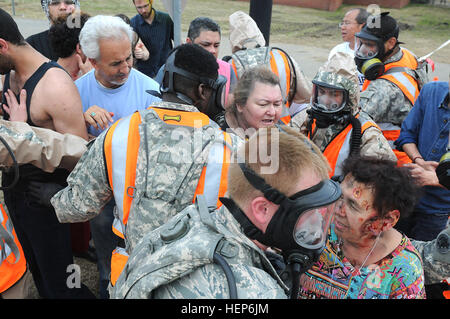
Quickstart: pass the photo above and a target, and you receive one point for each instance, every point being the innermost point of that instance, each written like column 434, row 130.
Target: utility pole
column 13, row 7
column 261, row 12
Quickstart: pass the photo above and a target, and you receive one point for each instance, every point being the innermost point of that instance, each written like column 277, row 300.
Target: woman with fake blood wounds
column 365, row 257
column 258, row 103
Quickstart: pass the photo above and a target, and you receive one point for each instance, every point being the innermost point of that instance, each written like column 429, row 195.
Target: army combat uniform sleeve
column 88, row 189
column 385, row 102
column 44, row 148
column 374, row 144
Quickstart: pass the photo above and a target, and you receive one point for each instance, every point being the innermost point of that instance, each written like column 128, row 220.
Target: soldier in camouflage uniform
column 249, row 50
column 332, row 128
column 393, row 76
column 203, row 254
column 167, row 164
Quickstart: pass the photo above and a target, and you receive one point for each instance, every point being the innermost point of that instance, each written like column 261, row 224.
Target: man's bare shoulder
column 56, row 103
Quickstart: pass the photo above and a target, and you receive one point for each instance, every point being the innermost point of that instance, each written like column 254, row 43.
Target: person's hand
column 423, row 175
column 98, row 117
column 84, row 67
column 140, row 52
column 41, row 193
column 17, row 110
column 427, row 165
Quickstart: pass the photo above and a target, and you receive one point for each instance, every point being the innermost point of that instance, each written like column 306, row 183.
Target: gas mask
column 300, row 225
column 443, row 169
column 328, row 105
column 217, row 99
column 370, row 53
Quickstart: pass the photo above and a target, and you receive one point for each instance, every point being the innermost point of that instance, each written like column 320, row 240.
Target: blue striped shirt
column 157, row 37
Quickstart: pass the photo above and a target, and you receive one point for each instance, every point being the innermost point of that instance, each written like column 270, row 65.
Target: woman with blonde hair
column 258, row 103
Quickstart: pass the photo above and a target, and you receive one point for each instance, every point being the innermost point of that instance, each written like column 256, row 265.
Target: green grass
column 423, row 27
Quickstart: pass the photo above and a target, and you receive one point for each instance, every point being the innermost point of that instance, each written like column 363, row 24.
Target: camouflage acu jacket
column 179, row 263
column 166, row 176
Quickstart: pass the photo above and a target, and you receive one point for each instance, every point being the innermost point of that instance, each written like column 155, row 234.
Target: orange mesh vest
column 12, row 260
column 121, row 149
column 410, row 89
column 338, row 149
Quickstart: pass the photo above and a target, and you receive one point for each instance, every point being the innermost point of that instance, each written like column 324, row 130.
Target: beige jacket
column 43, row 148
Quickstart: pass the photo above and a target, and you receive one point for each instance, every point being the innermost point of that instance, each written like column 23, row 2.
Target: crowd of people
column 186, row 175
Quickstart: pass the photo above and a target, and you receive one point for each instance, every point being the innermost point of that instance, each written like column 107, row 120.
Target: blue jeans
column 422, row 226
column 105, row 241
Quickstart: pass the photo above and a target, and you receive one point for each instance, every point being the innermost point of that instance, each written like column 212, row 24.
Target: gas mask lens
column 329, row 100
column 365, row 49
column 311, row 228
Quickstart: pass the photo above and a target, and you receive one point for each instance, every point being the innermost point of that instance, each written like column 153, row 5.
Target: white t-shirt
column 345, row 47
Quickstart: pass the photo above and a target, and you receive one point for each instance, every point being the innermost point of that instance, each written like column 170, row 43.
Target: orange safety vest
column 410, row 89
column 338, row 150
column 401, row 79
column 121, row 152
column 12, row 260
column 279, row 64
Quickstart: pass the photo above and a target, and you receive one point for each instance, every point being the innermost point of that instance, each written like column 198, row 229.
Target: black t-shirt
column 41, row 42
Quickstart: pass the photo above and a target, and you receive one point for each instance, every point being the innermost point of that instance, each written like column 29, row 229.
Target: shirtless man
column 52, row 101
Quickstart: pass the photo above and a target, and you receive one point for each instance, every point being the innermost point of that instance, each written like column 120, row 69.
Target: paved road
column 309, row 58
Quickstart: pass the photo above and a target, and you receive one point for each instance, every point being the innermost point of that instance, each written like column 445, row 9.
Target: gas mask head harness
column 369, row 51
column 300, row 225
column 218, row 86
column 328, row 104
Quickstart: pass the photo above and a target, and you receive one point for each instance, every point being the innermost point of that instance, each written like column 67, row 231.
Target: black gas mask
column 300, row 225
column 218, row 86
column 369, row 46
column 443, row 169
column 328, row 105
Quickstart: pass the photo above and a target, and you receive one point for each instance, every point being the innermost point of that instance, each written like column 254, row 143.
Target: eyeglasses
column 341, row 24
column 58, row 2
column 143, row 7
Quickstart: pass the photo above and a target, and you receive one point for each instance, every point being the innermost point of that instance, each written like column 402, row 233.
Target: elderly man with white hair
column 112, row 90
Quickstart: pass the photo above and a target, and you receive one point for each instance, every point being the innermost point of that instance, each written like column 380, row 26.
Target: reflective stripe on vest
column 402, row 80
column 280, row 66
column 338, row 150
column 122, row 166
column 213, row 179
column 12, row 260
column 391, row 132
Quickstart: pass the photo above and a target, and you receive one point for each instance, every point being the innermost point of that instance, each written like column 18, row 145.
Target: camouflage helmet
column 340, row 72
